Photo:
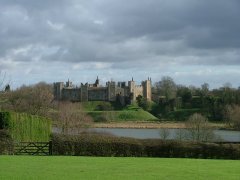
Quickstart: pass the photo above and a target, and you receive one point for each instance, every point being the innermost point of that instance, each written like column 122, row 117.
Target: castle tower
column 131, row 85
column 97, row 84
column 147, row 89
column 111, row 91
column 84, row 92
column 58, row 87
column 68, row 83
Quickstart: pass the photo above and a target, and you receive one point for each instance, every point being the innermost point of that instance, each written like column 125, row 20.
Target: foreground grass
column 58, row 167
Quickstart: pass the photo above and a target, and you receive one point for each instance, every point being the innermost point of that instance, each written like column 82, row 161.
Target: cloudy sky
column 193, row 41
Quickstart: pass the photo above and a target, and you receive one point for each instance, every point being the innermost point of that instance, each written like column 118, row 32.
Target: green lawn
column 59, row 167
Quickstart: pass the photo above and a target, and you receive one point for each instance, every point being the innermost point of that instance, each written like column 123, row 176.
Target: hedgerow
column 97, row 145
column 24, row 127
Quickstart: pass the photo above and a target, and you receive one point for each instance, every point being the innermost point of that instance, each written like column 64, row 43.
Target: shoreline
column 152, row 125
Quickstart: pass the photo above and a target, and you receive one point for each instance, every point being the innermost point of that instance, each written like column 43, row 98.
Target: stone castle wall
column 95, row 92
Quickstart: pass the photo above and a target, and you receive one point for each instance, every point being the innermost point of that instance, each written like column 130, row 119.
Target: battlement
column 95, row 92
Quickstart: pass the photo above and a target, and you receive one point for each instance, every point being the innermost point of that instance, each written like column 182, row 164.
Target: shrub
column 96, row 145
column 233, row 116
column 198, row 128
column 4, row 120
column 181, row 114
column 24, row 127
column 103, row 145
column 6, row 143
column 104, row 107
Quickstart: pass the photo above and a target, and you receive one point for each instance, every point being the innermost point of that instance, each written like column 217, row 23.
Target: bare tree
column 34, row 99
column 167, row 87
column 72, row 118
column 164, row 133
column 2, row 80
column 2, row 84
column 198, row 128
column 233, row 116
column 180, row 134
column 205, row 89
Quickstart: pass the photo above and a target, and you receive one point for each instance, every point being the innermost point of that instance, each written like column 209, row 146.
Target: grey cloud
column 121, row 32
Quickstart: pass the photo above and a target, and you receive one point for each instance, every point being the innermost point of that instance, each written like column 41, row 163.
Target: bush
column 233, row 116
column 103, row 145
column 104, row 107
column 181, row 114
column 24, row 127
column 95, row 145
column 6, row 143
column 4, row 120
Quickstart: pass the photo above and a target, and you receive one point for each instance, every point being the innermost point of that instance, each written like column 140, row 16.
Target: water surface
column 221, row 135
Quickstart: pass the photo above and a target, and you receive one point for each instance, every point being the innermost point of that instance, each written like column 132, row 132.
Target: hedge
column 6, row 143
column 96, row 145
column 181, row 114
column 24, row 127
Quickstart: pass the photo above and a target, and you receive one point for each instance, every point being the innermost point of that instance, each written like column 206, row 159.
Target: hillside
column 106, row 111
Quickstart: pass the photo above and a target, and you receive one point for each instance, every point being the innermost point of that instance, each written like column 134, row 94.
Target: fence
column 33, row 148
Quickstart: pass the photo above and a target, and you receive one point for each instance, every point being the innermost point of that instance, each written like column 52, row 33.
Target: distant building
column 96, row 92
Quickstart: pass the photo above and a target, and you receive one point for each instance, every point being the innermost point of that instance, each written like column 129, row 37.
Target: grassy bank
column 124, row 115
column 109, row 111
column 32, row 167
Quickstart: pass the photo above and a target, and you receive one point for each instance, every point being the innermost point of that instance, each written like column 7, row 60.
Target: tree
column 167, row 87
column 180, row 134
column 2, row 80
column 193, row 89
column 205, row 89
column 185, row 93
column 143, row 103
column 34, row 99
column 71, row 117
column 164, row 133
column 233, row 115
column 198, row 128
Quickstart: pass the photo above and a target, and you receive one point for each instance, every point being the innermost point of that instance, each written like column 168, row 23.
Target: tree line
column 178, row 102
column 170, row 101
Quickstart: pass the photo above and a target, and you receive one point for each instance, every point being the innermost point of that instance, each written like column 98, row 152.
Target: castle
column 95, row 92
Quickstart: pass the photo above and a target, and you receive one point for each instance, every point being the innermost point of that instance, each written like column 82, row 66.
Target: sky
column 192, row 41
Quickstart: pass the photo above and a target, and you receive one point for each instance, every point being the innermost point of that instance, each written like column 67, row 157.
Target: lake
column 223, row 135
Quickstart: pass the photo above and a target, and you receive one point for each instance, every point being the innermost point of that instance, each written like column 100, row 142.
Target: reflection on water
column 222, row 135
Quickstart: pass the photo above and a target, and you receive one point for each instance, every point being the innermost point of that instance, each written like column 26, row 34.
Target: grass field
column 58, row 167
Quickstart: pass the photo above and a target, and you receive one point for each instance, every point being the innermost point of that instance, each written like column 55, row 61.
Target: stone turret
column 147, row 89
column 131, row 85
column 96, row 84
column 111, row 91
column 68, row 83
column 58, row 87
column 84, row 92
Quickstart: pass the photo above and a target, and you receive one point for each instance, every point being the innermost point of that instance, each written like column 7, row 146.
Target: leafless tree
column 167, row 87
column 34, row 99
column 180, row 134
column 164, row 133
column 198, row 128
column 2, row 80
column 71, row 117
column 233, row 116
